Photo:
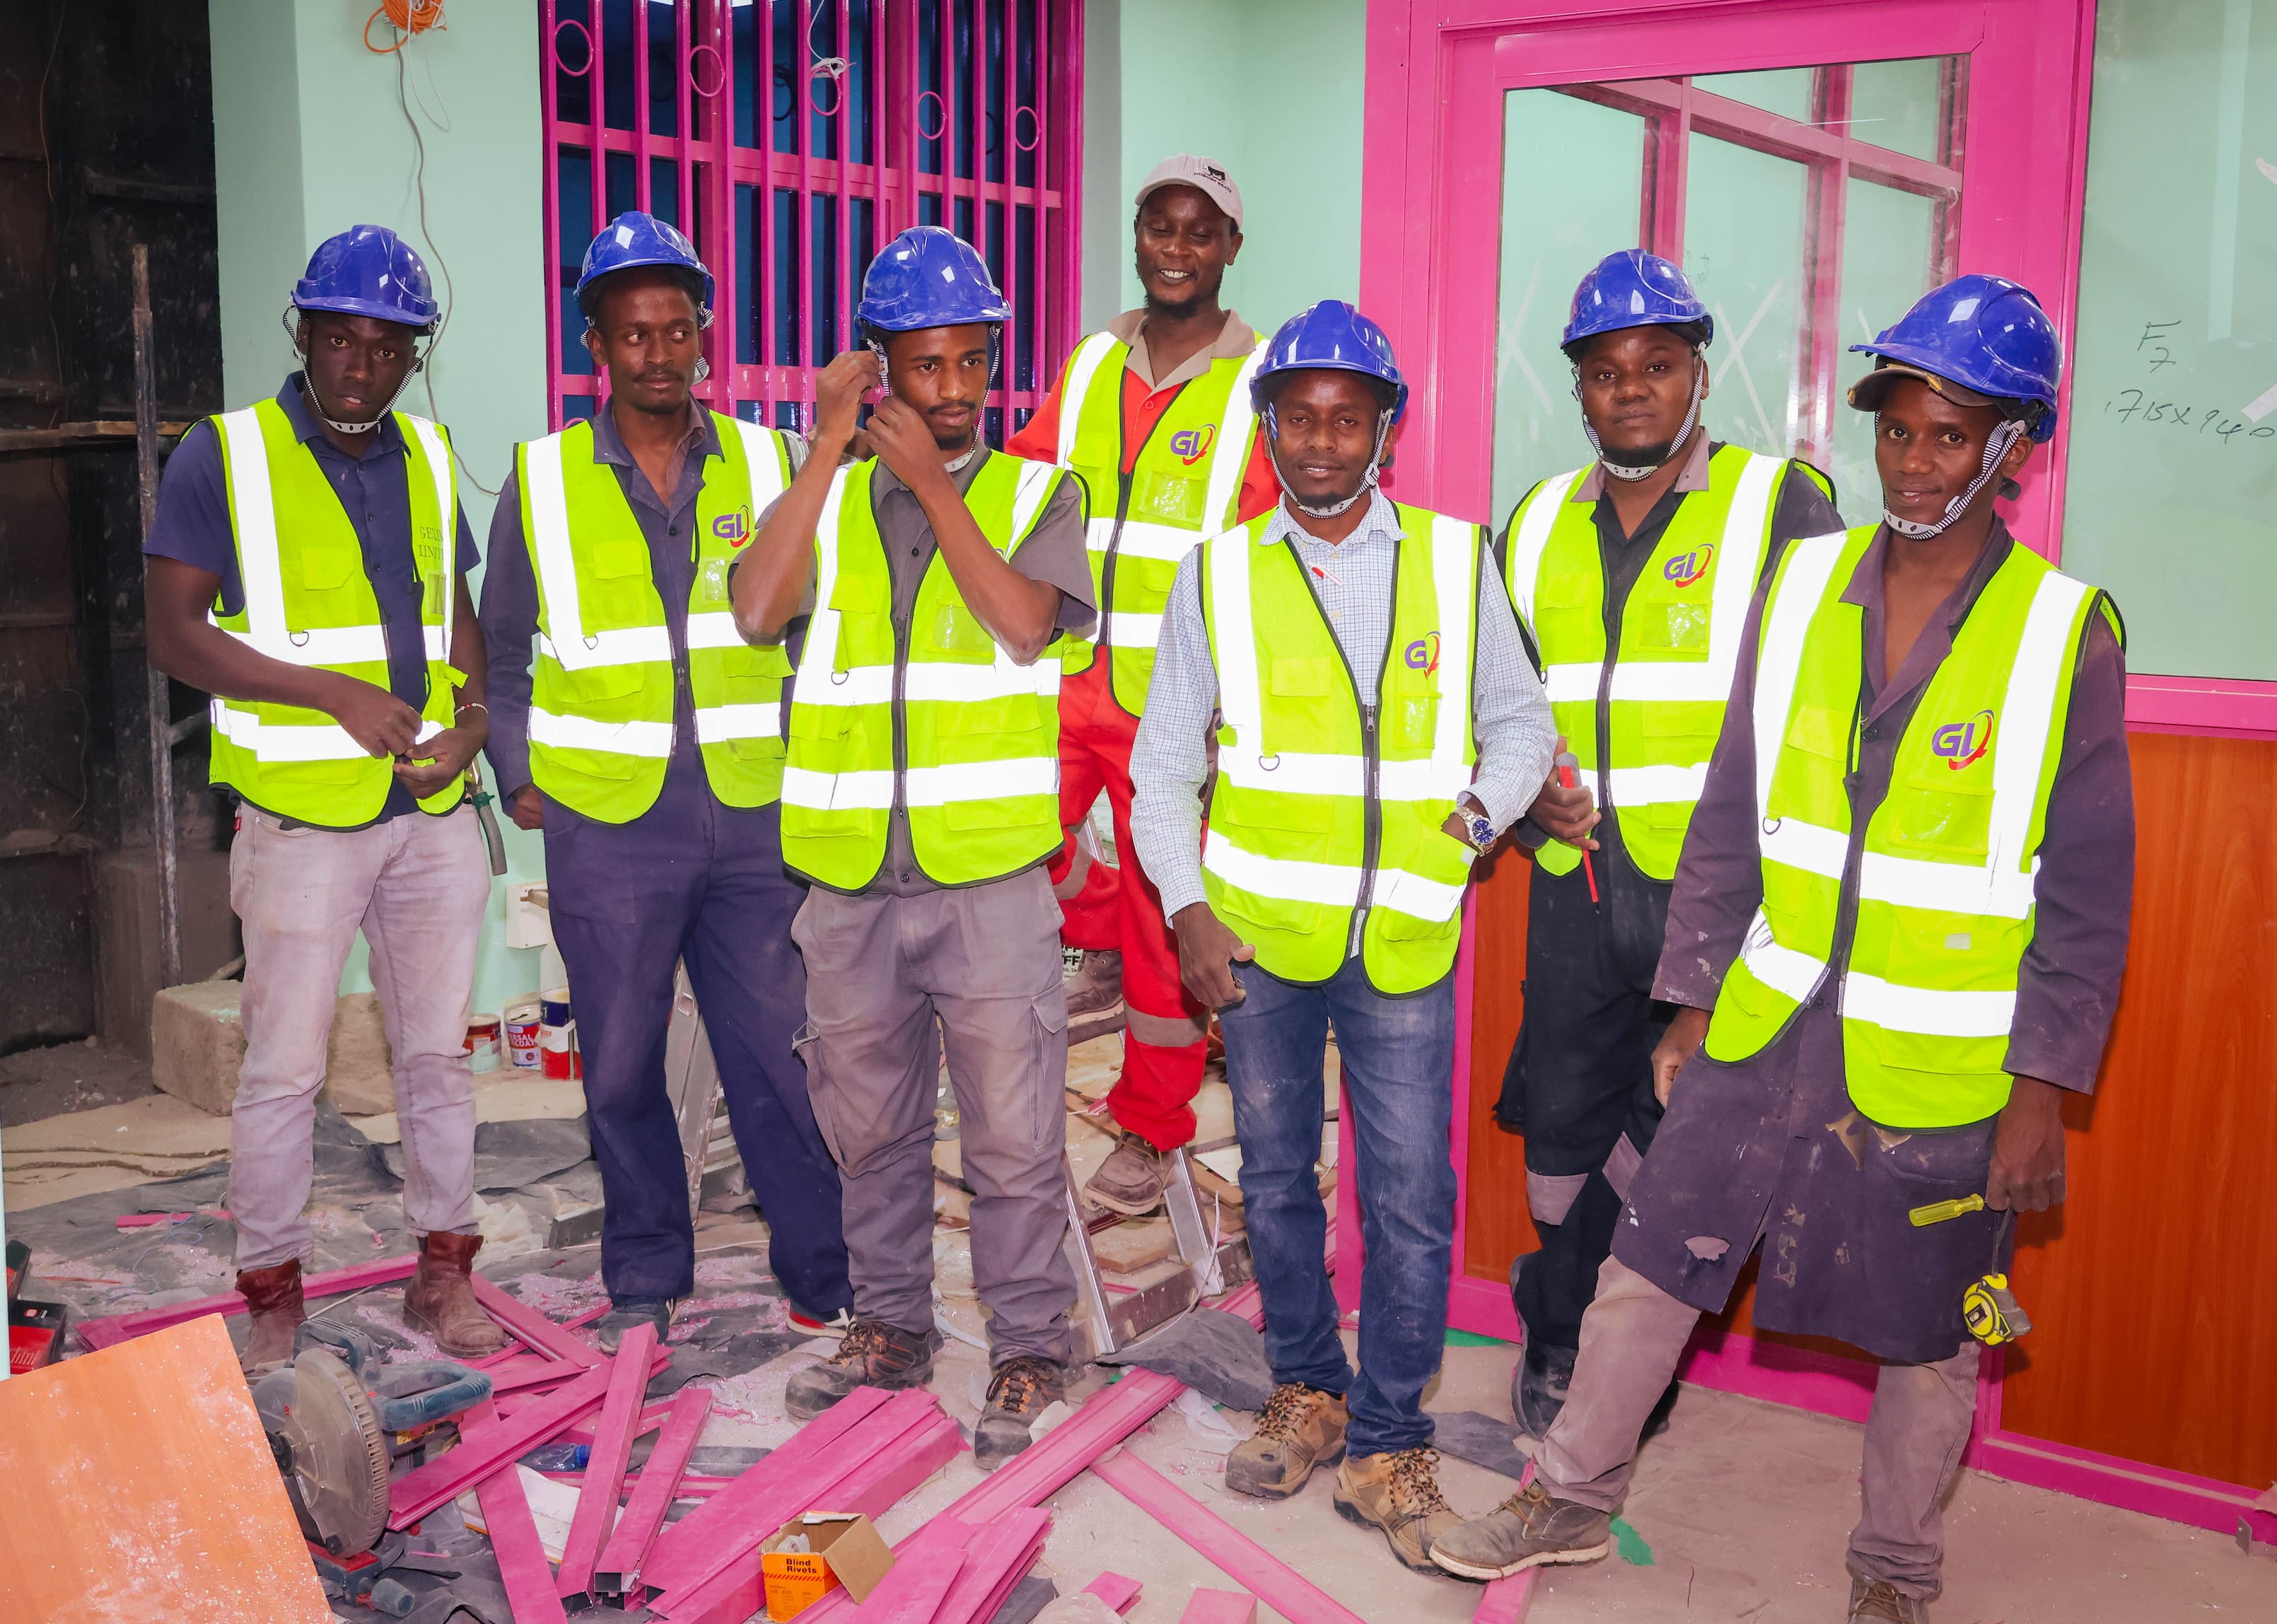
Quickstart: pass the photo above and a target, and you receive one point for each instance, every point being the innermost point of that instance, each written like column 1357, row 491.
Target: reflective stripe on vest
column 1296, row 840
column 1682, row 627
column 1949, row 858
column 602, row 699
column 309, row 603
column 980, row 774
column 1184, row 483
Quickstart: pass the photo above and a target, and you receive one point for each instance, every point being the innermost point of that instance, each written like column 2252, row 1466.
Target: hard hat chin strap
column 316, row 401
column 1368, row 481
column 1996, row 446
column 1632, row 472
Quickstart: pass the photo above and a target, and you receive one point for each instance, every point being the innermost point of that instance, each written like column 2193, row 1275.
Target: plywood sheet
column 136, row 1488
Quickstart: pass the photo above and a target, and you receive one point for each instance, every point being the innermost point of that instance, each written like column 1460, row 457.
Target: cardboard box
column 843, row 1549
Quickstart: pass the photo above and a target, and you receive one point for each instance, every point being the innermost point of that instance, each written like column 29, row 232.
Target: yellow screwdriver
column 1939, row 1212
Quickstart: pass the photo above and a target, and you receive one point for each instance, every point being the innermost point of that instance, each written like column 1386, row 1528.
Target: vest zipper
column 1122, row 478
column 1371, row 745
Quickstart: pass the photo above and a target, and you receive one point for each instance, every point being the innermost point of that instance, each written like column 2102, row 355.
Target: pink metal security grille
column 789, row 138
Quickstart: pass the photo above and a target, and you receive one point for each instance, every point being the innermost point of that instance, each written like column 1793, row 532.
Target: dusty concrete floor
column 1743, row 1508
column 38, row 1083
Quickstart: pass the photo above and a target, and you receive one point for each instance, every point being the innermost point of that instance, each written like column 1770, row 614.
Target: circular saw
column 326, row 1435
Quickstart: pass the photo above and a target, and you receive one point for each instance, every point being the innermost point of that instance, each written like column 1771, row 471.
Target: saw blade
column 339, row 1454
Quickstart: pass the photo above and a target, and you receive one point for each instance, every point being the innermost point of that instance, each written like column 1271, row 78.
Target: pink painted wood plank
column 1121, row 1594
column 2153, row 1491
column 998, row 1558
column 1507, row 1601
column 605, row 1472
column 912, row 1592
column 1219, row 1607
column 523, row 1567
column 530, row 1327
column 699, row 1545
column 97, row 1334
column 1275, row 1584
column 658, row 1486
column 538, row 1372
column 871, row 1485
column 483, row 1449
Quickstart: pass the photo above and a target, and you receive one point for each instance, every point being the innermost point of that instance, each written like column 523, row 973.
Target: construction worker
column 1632, row 575
column 922, row 802
column 298, row 574
column 645, row 738
column 1899, row 924
column 1153, row 413
column 1367, row 668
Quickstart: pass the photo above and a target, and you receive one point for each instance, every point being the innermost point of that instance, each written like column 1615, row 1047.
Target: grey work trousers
column 983, row 963
column 1632, row 1337
column 417, row 887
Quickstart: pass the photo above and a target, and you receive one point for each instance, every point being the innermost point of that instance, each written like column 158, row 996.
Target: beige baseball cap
column 1206, row 176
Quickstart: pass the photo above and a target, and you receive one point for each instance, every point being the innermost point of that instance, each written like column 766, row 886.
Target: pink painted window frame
column 710, row 164
column 1436, row 73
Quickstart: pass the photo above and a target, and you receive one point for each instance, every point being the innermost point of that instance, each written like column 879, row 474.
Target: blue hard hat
column 633, row 240
column 1634, row 289
column 1335, row 336
column 930, row 277
column 1978, row 340
column 368, row 270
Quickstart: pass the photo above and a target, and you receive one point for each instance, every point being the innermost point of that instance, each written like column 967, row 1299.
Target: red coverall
column 1119, row 908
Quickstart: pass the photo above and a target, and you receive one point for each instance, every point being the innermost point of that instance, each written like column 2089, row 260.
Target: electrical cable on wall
column 410, row 18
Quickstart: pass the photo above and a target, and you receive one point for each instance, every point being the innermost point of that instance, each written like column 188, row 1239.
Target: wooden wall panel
column 2154, row 1313
column 2151, row 1289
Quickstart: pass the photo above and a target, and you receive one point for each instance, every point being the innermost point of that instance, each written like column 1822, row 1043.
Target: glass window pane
column 1886, row 251
column 1893, row 104
column 2171, row 504
column 1571, row 174
column 1743, row 247
column 1784, row 91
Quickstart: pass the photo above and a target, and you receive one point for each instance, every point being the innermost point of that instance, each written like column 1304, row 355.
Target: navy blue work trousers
column 692, row 880
column 1397, row 1055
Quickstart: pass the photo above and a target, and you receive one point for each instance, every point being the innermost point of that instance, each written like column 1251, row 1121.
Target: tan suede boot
column 273, row 1296
column 440, row 1299
column 1399, row 1494
column 1300, row 1428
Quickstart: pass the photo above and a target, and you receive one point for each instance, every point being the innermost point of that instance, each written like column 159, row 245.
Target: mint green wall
column 310, row 137
column 1269, row 88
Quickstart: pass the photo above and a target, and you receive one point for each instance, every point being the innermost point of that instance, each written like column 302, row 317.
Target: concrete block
column 197, row 1044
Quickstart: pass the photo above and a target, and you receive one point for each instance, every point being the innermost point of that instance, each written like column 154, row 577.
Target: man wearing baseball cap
column 1153, row 412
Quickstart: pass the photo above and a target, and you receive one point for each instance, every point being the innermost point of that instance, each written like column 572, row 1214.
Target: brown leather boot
column 273, row 1296
column 440, row 1299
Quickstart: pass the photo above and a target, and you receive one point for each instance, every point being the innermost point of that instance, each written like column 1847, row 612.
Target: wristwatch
column 1479, row 827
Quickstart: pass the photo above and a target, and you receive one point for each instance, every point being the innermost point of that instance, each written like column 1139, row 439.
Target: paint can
column 523, row 1024
column 557, row 1037
column 481, row 1050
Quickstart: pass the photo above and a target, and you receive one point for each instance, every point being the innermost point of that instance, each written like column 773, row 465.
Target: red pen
column 1566, row 780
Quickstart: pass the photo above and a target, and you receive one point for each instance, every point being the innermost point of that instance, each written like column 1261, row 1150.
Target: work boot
column 1398, row 1493
column 1096, row 989
column 1022, row 1389
column 1130, row 1179
column 440, row 1299
column 626, row 1312
column 873, row 1353
column 272, row 1296
column 1878, row 1601
column 1537, row 1388
column 1529, row 1529
column 1301, row 1428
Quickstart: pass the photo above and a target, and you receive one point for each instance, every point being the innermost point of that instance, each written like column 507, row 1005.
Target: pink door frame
column 1437, row 71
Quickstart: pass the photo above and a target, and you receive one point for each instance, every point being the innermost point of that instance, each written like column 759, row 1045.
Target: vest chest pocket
column 1569, row 619
column 1939, row 809
column 1171, row 498
column 327, row 569
column 623, row 583
column 954, row 630
column 597, row 685
column 1303, row 714
column 1673, row 626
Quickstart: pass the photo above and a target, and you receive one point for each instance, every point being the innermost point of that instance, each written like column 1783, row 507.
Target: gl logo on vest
column 1964, row 742
column 1687, row 567
column 1423, row 654
column 1190, row 445
column 734, row 529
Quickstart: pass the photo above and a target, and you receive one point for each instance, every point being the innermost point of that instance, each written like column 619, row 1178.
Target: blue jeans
column 1399, row 1061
